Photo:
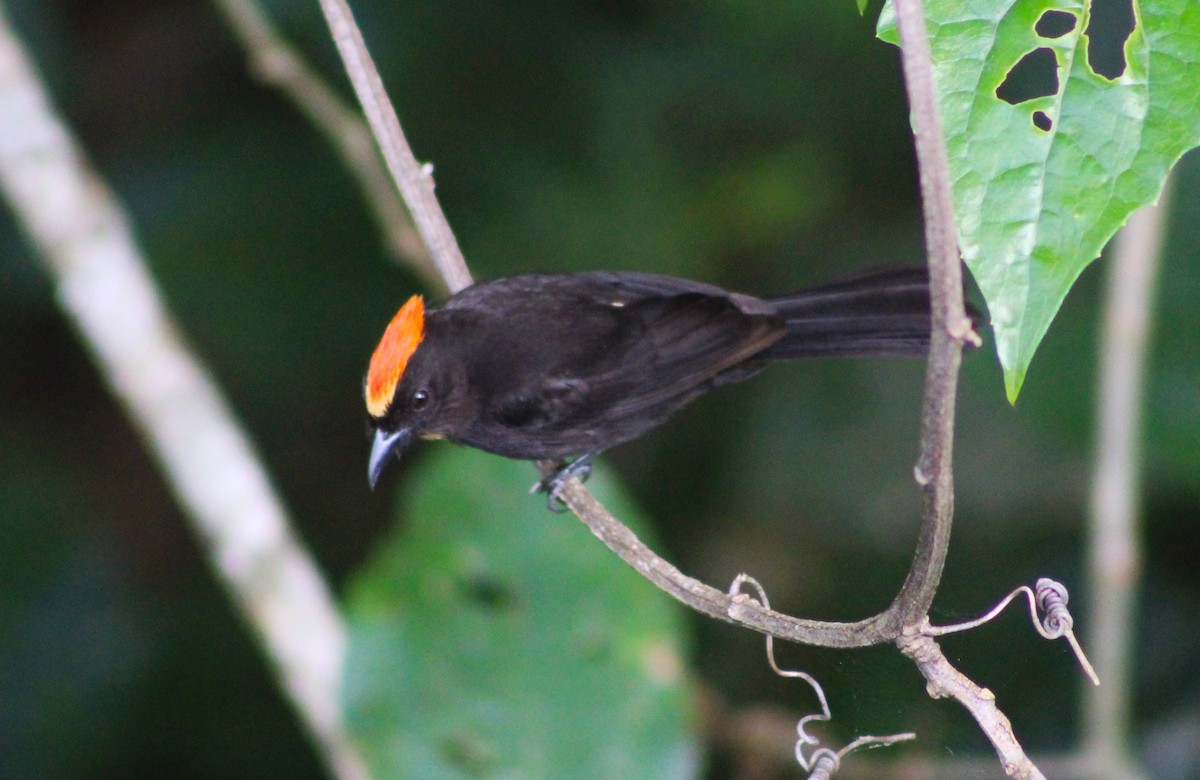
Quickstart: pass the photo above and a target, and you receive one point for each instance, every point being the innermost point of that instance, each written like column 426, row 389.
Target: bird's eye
column 420, row 400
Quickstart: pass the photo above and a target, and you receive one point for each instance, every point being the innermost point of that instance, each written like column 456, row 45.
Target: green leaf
column 492, row 638
column 1035, row 206
column 862, row 6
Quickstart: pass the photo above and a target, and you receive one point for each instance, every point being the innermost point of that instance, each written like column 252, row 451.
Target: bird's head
column 402, row 387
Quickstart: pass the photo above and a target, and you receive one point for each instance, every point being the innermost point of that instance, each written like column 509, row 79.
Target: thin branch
column 944, row 681
column 1114, row 551
column 703, row 598
column 904, row 619
column 278, row 64
column 84, row 241
column 416, row 187
column 414, row 181
column 950, row 326
column 934, row 467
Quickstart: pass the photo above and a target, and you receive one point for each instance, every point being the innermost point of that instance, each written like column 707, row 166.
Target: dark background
column 759, row 146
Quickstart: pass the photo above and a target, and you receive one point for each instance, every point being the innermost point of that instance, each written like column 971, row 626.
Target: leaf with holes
column 491, row 638
column 1056, row 133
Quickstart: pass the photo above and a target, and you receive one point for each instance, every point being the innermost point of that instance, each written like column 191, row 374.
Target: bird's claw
column 554, row 484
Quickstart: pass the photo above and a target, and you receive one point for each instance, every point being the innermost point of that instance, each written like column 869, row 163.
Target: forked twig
column 908, row 612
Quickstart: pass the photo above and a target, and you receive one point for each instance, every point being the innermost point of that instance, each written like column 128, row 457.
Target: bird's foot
column 554, row 484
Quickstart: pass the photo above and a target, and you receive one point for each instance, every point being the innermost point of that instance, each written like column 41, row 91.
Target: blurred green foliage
column 489, row 638
column 761, row 146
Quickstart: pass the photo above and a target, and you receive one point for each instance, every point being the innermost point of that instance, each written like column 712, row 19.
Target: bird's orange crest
column 391, row 357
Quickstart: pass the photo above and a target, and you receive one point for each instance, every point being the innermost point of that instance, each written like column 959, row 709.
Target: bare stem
column 83, row 239
column 950, row 324
column 704, row 598
column 1114, row 552
column 416, row 188
column 414, row 180
column 944, row 681
column 904, row 619
column 934, row 467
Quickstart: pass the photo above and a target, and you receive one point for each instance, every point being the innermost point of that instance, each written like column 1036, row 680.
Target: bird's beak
column 382, row 449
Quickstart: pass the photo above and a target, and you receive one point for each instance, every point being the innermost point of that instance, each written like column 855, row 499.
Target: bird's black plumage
column 552, row 366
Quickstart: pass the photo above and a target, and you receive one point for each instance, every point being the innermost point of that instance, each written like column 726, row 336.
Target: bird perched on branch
column 542, row 367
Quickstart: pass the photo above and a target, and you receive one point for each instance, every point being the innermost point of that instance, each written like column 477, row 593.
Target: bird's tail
column 881, row 313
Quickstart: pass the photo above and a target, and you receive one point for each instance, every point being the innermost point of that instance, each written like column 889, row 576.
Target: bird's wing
column 687, row 341
column 665, row 354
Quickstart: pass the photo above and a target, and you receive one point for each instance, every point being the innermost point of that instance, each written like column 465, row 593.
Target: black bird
column 554, row 366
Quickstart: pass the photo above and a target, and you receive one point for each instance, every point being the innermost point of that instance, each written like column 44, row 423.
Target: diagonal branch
column 705, row 598
column 416, row 186
column 278, row 64
column 944, row 681
column 84, row 241
column 904, row 621
column 414, row 181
